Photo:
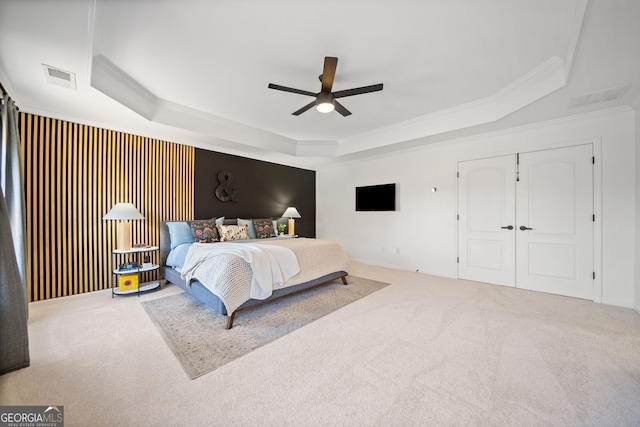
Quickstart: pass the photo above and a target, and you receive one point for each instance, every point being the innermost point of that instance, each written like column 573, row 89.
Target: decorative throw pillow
column 204, row 231
column 251, row 232
column 264, row 228
column 232, row 232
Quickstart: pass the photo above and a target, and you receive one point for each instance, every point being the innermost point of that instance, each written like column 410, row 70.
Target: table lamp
column 123, row 213
column 291, row 213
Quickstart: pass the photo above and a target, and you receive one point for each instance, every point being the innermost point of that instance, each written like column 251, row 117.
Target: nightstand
column 128, row 279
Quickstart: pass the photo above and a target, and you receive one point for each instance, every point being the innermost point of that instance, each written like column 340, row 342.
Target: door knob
column 523, row 228
column 508, row 227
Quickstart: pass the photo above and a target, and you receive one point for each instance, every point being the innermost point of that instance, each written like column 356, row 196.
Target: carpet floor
column 423, row 351
column 200, row 342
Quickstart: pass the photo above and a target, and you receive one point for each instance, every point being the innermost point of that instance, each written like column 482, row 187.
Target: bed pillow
column 264, row 228
column 204, row 231
column 219, row 220
column 251, row 232
column 178, row 255
column 232, row 232
column 180, row 233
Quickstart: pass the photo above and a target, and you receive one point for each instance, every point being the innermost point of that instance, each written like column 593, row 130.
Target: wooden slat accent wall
column 74, row 174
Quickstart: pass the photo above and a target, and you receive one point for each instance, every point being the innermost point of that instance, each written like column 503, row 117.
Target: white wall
column 421, row 235
column 637, row 234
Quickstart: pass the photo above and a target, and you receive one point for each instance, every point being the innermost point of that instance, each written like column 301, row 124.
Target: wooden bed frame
column 198, row 291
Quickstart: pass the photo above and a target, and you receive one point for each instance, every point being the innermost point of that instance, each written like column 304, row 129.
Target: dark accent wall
column 264, row 190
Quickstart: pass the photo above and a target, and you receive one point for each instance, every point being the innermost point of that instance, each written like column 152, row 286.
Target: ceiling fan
column 325, row 100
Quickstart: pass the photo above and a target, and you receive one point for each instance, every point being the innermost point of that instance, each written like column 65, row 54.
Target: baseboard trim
column 618, row 303
column 405, row 268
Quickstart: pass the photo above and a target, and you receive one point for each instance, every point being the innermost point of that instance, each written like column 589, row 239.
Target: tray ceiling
column 197, row 72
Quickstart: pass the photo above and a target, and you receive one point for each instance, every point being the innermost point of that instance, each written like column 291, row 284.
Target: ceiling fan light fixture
column 324, row 102
column 325, row 107
column 325, row 99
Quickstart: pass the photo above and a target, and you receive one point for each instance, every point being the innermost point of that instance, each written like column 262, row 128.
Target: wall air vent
column 599, row 96
column 59, row 77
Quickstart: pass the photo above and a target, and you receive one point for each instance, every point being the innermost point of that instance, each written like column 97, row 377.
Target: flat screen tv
column 376, row 198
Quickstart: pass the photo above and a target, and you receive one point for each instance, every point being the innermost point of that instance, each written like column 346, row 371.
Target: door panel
column 552, row 199
column 552, row 261
column 485, row 254
column 552, row 189
column 486, row 204
column 555, row 199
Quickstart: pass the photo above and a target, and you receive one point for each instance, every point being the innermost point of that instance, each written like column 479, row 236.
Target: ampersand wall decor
column 224, row 191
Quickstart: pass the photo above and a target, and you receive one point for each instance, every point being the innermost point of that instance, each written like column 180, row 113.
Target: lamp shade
column 325, row 107
column 324, row 102
column 291, row 212
column 123, row 211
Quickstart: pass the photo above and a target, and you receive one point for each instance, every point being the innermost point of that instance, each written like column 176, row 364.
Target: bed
column 221, row 275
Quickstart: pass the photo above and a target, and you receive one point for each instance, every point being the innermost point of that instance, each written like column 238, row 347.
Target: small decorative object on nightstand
column 128, row 272
column 146, row 262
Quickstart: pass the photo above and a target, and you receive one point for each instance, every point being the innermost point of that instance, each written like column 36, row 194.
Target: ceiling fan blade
column 290, row 89
column 357, row 91
column 303, row 109
column 329, row 73
column 340, row 109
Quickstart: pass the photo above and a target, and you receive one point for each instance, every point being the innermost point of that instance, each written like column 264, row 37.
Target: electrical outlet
column 397, row 251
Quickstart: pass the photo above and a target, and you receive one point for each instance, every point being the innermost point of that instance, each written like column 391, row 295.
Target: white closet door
column 486, row 198
column 555, row 221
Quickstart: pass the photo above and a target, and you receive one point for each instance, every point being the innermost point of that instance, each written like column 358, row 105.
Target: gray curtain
column 11, row 181
column 14, row 339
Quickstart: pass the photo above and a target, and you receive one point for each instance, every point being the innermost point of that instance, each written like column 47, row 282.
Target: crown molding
column 324, row 148
column 575, row 16
column 180, row 116
column 511, row 131
column 119, row 86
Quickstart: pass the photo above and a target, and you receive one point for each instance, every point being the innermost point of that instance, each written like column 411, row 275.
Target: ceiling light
column 324, row 102
column 325, row 107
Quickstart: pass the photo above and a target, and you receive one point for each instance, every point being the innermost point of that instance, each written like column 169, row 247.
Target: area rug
column 201, row 343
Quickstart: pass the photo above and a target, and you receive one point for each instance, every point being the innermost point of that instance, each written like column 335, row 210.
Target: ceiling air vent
column 59, row 77
column 599, row 96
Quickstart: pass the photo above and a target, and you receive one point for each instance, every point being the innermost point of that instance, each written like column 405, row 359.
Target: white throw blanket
column 271, row 265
